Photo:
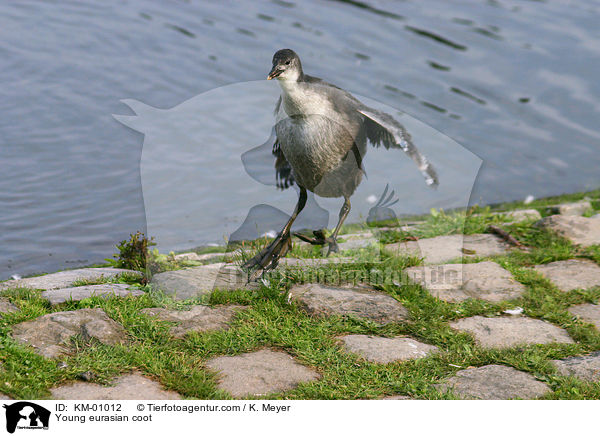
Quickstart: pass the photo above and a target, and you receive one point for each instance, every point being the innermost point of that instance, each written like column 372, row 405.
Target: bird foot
column 333, row 246
column 320, row 239
column 268, row 258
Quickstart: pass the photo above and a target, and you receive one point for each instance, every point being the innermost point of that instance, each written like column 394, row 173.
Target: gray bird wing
column 283, row 171
column 383, row 129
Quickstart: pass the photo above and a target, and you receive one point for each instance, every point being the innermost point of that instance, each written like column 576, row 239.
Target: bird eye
column 288, row 62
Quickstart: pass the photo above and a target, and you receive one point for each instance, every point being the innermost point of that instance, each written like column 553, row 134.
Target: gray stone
column 57, row 296
column 518, row 216
column 595, row 217
column 312, row 262
column 195, row 257
column 571, row 274
column 397, row 397
column 385, row 350
column 458, row 282
column 584, row 367
column 322, row 300
column 354, row 241
column 579, row 230
column 259, row 373
column 445, row 248
column 572, row 209
column 587, row 312
column 6, row 306
column 5, row 397
column 365, row 234
column 408, row 228
column 64, row 279
column 505, row 332
column 494, row 382
column 197, row 319
column 201, row 280
column 49, row 334
column 126, row 387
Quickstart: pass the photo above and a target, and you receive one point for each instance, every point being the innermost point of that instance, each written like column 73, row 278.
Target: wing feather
column 383, row 130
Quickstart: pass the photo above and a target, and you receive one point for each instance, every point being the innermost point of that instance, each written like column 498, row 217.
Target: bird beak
column 274, row 72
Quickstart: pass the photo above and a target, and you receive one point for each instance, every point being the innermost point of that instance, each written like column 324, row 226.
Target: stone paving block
column 579, row 230
column 572, row 209
column 195, row 257
column 584, row 367
column 322, row 300
column 385, row 350
column 354, row 241
column 588, row 313
column 398, row 397
column 259, row 373
column 312, row 262
column 197, row 319
column 458, row 282
column 133, row 386
column 445, row 248
column 571, row 274
column 57, row 296
column 50, row 334
column 6, row 306
column 494, row 382
column 64, row 279
column 201, row 280
column 502, row 332
column 522, row 215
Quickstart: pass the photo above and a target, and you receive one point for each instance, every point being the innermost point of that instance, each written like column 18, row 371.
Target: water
column 515, row 82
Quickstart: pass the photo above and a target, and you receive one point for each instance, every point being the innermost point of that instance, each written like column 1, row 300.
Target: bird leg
column 321, row 239
column 268, row 257
column 344, row 211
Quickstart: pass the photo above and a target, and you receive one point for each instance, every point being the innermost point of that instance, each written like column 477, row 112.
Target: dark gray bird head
column 286, row 66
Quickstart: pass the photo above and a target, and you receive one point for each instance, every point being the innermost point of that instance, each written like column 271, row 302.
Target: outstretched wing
column 382, row 129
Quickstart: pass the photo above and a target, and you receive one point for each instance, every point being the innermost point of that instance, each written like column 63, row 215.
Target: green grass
column 271, row 321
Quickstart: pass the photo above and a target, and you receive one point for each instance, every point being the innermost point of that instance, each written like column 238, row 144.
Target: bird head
column 286, row 66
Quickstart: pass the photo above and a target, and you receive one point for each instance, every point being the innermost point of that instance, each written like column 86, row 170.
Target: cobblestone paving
column 201, row 280
column 359, row 325
column 579, row 230
column 587, row 312
column 127, row 387
column 571, row 274
column 442, row 249
column 7, row 307
column 196, row 319
column 77, row 293
column 494, row 382
column 259, row 373
column 457, row 282
column 386, row 350
column 322, row 300
column 583, row 367
column 64, row 279
column 50, row 334
column 508, row 331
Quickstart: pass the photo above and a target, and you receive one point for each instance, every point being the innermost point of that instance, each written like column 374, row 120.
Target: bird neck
column 291, row 85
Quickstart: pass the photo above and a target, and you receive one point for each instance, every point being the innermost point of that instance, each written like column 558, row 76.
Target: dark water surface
column 515, row 82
